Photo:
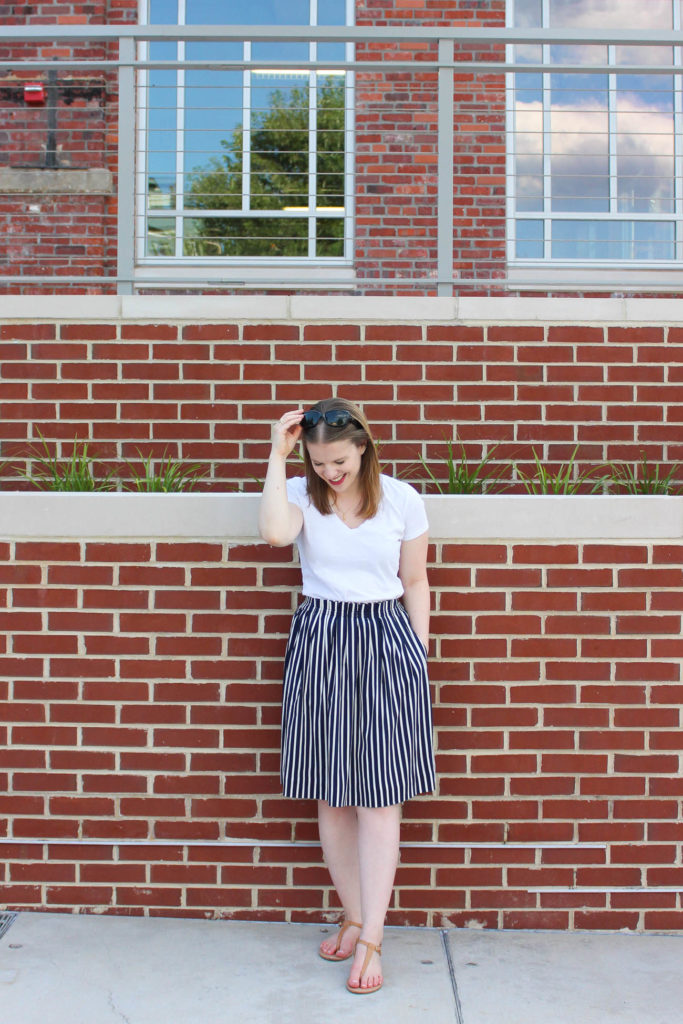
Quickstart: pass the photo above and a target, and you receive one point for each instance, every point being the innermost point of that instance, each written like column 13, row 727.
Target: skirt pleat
column 356, row 715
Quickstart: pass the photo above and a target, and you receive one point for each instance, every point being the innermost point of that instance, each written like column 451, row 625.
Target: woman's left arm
column 412, row 571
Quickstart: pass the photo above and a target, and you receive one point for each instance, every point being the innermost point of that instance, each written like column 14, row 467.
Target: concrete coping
column 232, row 517
column 341, row 308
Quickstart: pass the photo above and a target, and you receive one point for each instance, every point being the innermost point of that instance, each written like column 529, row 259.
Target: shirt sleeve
column 296, row 491
column 415, row 515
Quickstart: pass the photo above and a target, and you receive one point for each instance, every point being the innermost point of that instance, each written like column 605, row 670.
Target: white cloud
column 604, row 14
column 579, row 147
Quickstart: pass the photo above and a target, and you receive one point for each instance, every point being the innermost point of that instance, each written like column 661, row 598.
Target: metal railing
column 415, row 160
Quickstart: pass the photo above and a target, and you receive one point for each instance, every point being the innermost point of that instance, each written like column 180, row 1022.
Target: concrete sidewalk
column 68, row 969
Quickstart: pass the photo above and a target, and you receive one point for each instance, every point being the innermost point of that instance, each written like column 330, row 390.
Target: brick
column 117, row 552
column 197, row 552
column 44, row 551
column 153, row 332
column 210, row 332
column 87, row 332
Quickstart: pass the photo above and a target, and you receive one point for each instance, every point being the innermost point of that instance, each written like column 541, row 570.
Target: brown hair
column 368, row 478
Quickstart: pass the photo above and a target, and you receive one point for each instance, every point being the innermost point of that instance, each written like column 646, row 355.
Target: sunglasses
column 333, row 418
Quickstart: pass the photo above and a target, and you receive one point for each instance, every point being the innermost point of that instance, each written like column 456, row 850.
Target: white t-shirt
column 359, row 564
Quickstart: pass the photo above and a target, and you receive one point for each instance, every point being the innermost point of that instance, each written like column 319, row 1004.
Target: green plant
column 48, row 473
column 464, row 478
column 169, row 475
column 564, row 480
column 649, row 480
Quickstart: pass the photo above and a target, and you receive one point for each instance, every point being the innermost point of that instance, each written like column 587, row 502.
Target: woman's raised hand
column 286, row 432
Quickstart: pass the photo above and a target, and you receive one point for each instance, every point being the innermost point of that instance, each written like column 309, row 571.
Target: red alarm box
column 34, row 94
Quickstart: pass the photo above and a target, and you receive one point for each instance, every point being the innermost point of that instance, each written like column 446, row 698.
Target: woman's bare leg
column 339, row 837
column 378, row 847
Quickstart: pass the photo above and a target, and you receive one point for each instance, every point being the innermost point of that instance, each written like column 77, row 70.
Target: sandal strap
column 371, row 948
column 342, row 928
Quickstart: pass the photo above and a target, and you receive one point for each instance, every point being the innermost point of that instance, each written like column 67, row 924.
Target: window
column 245, row 165
column 594, row 173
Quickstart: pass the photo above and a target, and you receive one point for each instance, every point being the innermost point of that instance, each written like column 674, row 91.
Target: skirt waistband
column 367, row 609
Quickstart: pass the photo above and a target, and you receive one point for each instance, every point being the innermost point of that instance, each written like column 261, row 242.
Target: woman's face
column 338, row 463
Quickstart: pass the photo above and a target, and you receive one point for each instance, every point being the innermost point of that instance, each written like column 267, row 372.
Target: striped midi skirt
column 356, row 716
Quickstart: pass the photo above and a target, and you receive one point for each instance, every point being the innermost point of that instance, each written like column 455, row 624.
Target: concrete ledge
column 233, row 516
column 345, row 309
column 93, row 181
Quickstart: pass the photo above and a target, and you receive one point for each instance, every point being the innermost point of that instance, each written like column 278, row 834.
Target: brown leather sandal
column 371, row 948
column 342, row 928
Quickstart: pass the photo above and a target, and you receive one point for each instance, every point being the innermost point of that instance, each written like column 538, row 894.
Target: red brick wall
column 397, row 151
column 60, row 234
column 140, row 690
column 207, row 392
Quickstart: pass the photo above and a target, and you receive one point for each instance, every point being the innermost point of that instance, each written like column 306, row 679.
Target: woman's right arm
column 279, row 520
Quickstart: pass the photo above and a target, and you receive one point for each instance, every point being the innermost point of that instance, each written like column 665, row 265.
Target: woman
column 356, row 731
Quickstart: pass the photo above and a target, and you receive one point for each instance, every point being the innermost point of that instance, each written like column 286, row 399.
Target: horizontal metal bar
column 350, row 34
column 388, row 67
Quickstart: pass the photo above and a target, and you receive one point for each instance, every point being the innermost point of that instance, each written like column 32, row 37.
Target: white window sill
column 229, row 273
column 595, row 275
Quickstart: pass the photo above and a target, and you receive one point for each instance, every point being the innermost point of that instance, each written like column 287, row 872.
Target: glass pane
column 612, row 240
column 529, row 240
column 246, row 236
column 280, row 51
column 645, row 143
column 163, row 12
column 529, row 54
column 610, row 14
column 654, row 241
column 279, row 142
column 161, row 98
column 331, row 12
column 160, row 237
column 213, row 117
column 276, row 12
column 528, row 13
column 644, row 55
column 265, row 12
column 330, row 141
column 529, row 141
column 329, row 237
column 578, row 54
column 218, row 184
column 579, row 125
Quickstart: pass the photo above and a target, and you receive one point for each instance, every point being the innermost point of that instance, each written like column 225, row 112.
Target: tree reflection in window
column 259, row 154
column 279, row 180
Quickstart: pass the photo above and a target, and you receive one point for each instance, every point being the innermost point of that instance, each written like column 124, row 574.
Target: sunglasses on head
column 333, row 418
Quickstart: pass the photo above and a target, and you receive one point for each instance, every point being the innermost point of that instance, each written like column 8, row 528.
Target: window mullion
column 246, row 131
column 180, row 155
column 678, row 141
column 349, row 185
column 547, row 157
column 612, row 137
column 312, row 136
column 312, row 154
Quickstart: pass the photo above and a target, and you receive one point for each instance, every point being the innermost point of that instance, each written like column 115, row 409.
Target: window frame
column 605, row 271
column 325, row 271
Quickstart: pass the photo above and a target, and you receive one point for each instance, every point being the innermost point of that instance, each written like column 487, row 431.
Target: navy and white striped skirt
column 356, row 716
